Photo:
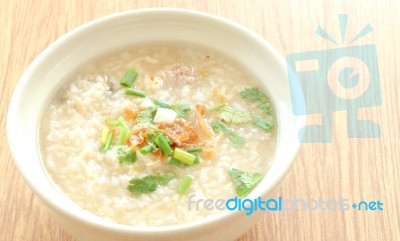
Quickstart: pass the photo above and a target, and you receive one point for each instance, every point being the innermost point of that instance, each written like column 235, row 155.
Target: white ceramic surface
column 55, row 64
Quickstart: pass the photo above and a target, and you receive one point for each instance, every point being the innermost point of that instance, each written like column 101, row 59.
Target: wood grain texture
column 354, row 169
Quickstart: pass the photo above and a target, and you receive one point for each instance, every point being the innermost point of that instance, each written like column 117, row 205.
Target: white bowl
column 49, row 71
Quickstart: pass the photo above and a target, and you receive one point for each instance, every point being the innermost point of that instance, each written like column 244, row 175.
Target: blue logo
column 325, row 81
column 281, row 204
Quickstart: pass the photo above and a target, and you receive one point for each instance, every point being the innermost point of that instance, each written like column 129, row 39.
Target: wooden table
column 354, row 169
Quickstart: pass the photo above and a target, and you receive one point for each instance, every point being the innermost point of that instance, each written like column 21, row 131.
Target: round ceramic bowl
column 51, row 69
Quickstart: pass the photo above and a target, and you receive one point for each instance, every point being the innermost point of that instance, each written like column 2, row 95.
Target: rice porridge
column 134, row 134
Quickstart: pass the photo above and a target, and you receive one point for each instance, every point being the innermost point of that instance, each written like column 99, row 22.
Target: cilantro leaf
column 126, row 157
column 149, row 184
column 236, row 140
column 230, row 115
column 263, row 124
column 255, row 95
column 266, row 107
column 146, row 116
column 181, row 109
column 244, row 182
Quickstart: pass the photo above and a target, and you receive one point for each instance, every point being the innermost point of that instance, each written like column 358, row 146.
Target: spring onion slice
column 139, row 93
column 123, row 123
column 107, row 145
column 129, row 78
column 162, row 143
column 185, row 184
column 123, row 133
column 183, row 156
column 161, row 103
column 113, row 122
column 104, row 135
column 197, row 159
column 175, row 162
column 194, row 149
column 146, row 149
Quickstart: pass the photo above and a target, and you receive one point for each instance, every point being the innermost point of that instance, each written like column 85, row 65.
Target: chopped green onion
column 175, row 162
column 107, row 145
column 183, row 156
column 129, row 78
column 197, row 160
column 162, row 143
column 161, row 103
column 146, row 149
column 194, row 149
column 126, row 132
column 104, row 135
column 123, row 133
column 130, row 91
column 123, row 123
column 113, row 122
column 185, row 184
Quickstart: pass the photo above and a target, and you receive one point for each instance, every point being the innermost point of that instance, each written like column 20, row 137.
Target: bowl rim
column 123, row 228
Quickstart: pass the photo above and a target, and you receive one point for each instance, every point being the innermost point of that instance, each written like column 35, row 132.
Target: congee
column 133, row 134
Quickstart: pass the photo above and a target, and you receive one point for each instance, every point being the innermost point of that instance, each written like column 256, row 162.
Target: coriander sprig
column 234, row 137
column 230, row 115
column 244, row 182
column 149, row 184
column 255, row 95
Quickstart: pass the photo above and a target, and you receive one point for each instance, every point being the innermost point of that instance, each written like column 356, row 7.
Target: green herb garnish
column 194, row 150
column 175, row 162
column 230, row 115
column 236, row 140
column 148, row 184
column 151, row 135
column 244, row 182
column 124, row 131
column 104, row 135
column 146, row 149
column 107, row 144
column 145, row 117
column 139, row 93
column 181, row 109
column 266, row 107
column 255, row 95
column 183, row 156
column 126, row 157
column 161, row 103
column 185, row 184
column 123, row 136
column 162, row 142
column 263, row 124
column 112, row 122
column 129, row 78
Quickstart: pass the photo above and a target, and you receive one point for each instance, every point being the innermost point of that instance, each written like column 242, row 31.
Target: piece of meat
column 177, row 74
